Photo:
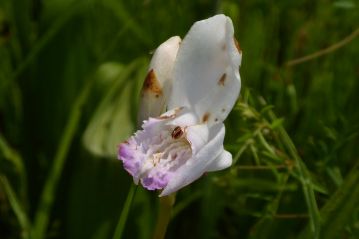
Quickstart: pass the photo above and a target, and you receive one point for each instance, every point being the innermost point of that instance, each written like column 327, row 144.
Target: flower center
column 166, row 152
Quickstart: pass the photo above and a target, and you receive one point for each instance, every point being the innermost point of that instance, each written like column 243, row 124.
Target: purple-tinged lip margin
column 127, row 155
column 131, row 159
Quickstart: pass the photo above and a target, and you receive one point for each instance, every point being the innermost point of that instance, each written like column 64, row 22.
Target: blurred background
column 70, row 76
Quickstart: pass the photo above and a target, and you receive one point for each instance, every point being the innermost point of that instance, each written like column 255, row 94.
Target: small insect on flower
column 197, row 81
column 177, row 133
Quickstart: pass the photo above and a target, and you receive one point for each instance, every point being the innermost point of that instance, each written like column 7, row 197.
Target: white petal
column 224, row 160
column 157, row 85
column 197, row 135
column 197, row 165
column 181, row 117
column 206, row 71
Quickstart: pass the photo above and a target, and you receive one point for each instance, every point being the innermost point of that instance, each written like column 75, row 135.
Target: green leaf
column 112, row 121
column 276, row 123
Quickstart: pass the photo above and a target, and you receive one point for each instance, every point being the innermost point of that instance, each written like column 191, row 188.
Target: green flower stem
column 124, row 214
column 164, row 216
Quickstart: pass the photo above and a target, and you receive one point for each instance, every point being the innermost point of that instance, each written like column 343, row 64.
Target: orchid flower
column 197, row 81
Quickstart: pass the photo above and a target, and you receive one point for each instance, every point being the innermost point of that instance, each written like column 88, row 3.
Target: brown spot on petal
column 236, row 43
column 166, row 116
column 223, row 110
column 205, row 117
column 179, row 109
column 177, row 132
column 151, row 84
column 224, row 47
column 172, row 116
column 222, row 79
column 216, row 120
column 174, row 156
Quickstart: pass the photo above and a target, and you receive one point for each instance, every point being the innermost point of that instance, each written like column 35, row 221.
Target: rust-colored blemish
column 174, row 156
column 222, row 79
column 224, row 47
column 166, row 117
column 151, row 84
column 205, row 117
column 179, row 109
column 236, row 43
column 172, row 116
column 177, row 132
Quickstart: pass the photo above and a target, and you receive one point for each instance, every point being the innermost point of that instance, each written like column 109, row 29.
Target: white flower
column 197, row 81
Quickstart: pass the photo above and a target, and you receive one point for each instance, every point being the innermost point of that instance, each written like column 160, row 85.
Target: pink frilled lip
column 138, row 153
column 126, row 154
column 153, row 155
column 132, row 159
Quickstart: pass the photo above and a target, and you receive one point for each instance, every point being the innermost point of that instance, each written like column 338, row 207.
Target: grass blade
column 308, row 189
column 16, row 206
column 338, row 211
column 48, row 194
column 124, row 214
column 11, row 155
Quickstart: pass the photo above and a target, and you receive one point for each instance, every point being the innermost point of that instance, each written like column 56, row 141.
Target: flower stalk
column 124, row 214
column 164, row 215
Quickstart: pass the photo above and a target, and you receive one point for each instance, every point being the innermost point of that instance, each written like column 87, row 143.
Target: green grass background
column 70, row 75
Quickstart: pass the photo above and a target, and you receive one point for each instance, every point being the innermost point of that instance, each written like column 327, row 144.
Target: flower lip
column 153, row 154
column 199, row 162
